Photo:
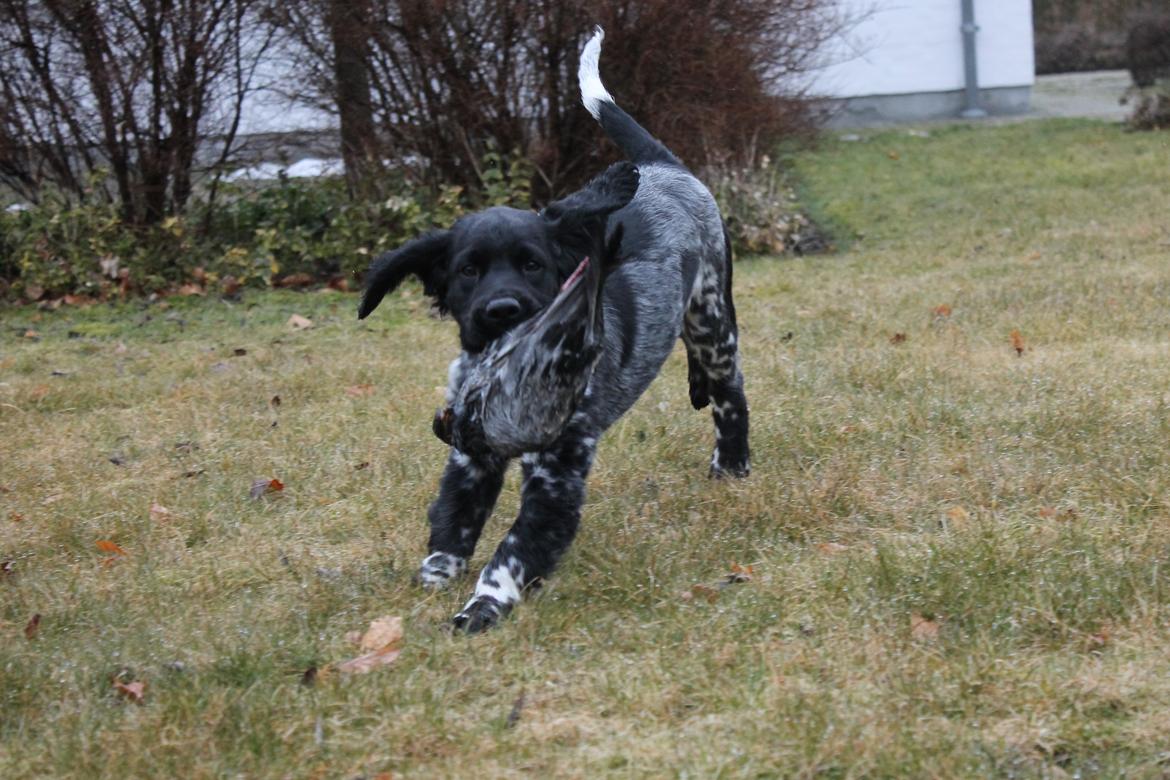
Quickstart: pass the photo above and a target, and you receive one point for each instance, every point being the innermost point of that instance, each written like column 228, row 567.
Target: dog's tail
column 638, row 145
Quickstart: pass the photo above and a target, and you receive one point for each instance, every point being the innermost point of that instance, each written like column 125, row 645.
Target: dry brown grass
column 1017, row 504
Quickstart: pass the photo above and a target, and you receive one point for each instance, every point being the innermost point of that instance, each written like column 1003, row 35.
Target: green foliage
column 762, row 210
column 1151, row 107
column 252, row 236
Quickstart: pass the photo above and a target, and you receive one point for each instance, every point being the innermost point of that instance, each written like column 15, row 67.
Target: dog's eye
column 469, row 270
column 532, row 265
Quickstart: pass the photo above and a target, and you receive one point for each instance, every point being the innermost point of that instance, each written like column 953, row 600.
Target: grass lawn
column 959, row 553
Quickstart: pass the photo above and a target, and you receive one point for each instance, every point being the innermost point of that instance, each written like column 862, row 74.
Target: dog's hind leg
column 712, row 342
column 550, row 512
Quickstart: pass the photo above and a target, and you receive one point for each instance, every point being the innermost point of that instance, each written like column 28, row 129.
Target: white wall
column 909, row 46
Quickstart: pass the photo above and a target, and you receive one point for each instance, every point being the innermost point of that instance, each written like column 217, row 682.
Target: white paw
column 438, row 569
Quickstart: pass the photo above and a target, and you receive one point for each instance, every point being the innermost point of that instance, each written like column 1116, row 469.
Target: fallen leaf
column 358, row 391
column 33, row 625
column 229, row 285
column 922, row 628
column 739, row 574
column 957, row 515
column 16, row 517
column 189, row 289
column 832, row 548
column 382, row 641
column 275, row 401
column 159, row 513
column 264, row 485
column 309, row 677
column 134, row 691
column 514, row 713
column 239, row 352
column 941, row 311
column 1047, row 511
column 105, row 545
column 294, row 280
column 1017, row 343
column 898, row 338
column 297, row 322
column 339, row 283
column 705, row 592
column 31, row 334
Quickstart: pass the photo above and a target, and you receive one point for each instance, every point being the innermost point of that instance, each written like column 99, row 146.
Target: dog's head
column 496, row 268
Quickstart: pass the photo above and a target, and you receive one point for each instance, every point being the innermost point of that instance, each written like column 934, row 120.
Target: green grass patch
column 959, row 551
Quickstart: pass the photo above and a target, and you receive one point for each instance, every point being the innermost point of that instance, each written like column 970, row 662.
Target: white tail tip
column 593, row 92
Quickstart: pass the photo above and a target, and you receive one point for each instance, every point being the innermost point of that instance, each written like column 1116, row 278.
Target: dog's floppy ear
column 425, row 257
column 587, row 208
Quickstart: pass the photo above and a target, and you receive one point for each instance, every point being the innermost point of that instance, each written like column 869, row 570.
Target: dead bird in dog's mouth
column 525, row 385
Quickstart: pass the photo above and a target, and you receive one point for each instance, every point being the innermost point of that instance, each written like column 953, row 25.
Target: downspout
column 969, row 28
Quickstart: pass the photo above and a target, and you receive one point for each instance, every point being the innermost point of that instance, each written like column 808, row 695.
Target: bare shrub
column 112, row 98
column 452, row 82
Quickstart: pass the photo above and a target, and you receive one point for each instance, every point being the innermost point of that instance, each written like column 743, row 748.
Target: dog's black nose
column 502, row 310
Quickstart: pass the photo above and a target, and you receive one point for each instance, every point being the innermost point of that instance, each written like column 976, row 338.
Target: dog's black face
column 498, row 267
column 503, row 266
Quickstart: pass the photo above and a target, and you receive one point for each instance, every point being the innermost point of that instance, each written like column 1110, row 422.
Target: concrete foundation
column 877, row 110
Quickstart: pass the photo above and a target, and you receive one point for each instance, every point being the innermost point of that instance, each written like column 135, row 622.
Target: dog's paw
column 480, row 614
column 736, row 468
column 438, row 569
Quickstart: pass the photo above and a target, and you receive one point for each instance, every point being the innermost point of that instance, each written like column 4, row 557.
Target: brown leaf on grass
column 189, row 289
column 1047, row 511
column 275, row 402
column 705, row 592
column 739, row 574
column 16, row 517
column 382, row 642
column 134, row 691
column 957, row 516
column 898, row 338
column 942, row 311
column 294, row 280
column 106, row 546
column 358, row 391
column 514, row 713
column 339, row 283
column 297, row 322
column 239, row 352
column 1018, row 343
column 265, row 485
column 31, row 334
column 832, row 548
column 923, row 629
column 5, row 489
column 33, row 625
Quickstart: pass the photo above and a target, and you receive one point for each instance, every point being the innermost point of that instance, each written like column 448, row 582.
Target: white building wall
column 912, row 46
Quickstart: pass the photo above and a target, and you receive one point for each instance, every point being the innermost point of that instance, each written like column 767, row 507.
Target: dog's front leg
column 550, row 511
column 467, row 495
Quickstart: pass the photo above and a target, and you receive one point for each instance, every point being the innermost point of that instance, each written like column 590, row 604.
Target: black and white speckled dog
column 496, row 268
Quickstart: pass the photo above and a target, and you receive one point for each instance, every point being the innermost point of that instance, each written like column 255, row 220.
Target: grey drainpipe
column 969, row 28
